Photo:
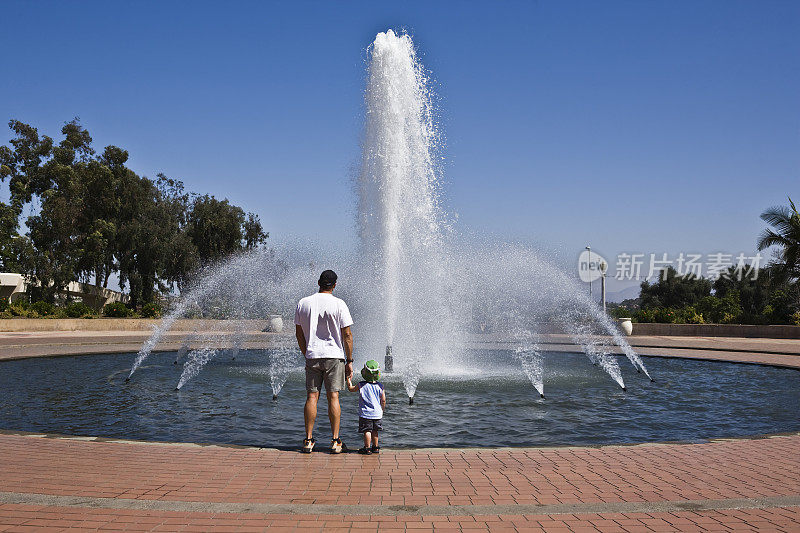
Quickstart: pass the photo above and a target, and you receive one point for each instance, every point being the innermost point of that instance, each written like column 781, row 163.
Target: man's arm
column 347, row 341
column 301, row 338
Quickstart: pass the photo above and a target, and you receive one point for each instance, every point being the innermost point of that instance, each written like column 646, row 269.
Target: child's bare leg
column 375, row 440
column 367, row 438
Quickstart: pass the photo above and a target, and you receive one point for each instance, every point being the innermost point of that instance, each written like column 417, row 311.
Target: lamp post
column 603, row 269
column 589, row 249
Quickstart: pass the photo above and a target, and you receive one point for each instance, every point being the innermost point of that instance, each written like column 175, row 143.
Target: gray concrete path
column 776, row 352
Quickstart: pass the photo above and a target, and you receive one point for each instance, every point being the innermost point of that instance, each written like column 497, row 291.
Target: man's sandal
column 336, row 445
column 365, row 451
column 308, row 445
column 375, row 449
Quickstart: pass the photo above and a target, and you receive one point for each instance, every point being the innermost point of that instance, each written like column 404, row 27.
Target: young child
column 370, row 406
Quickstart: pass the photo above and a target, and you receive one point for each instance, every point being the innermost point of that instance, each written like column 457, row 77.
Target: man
column 322, row 326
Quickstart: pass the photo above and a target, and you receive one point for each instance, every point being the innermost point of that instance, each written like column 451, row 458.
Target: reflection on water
column 488, row 403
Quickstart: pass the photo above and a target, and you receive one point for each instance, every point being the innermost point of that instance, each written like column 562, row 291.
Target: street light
column 589, row 249
column 603, row 269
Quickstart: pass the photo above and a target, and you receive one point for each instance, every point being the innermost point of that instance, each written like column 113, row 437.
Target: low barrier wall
column 122, row 324
column 717, row 330
column 143, row 324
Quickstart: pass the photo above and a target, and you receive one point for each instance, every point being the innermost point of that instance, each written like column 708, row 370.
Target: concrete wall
column 142, row 324
column 122, row 324
column 718, row 330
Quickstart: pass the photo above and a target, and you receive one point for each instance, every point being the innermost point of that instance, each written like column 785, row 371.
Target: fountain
column 416, row 284
column 466, row 325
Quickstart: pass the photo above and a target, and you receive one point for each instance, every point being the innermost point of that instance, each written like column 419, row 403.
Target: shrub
column 693, row 317
column 725, row 310
column 4, row 305
column 116, row 310
column 796, row 318
column 43, row 308
column 78, row 310
column 666, row 315
column 645, row 315
column 20, row 308
column 151, row 310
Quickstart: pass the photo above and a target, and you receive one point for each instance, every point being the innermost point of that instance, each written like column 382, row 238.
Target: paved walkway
column 777, row 352
column 743, row 485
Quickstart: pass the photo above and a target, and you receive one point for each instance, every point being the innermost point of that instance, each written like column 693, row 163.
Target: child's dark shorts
column 369, row 424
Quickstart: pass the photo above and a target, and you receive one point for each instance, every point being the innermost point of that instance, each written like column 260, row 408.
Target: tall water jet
column 401, row 225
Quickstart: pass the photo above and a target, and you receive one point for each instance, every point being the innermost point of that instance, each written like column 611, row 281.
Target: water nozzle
column 410, row 400
column 127, row 379
column 624, row 389
column 541, row 395
column 274, row 397
column 388, row 362
column 652, row 380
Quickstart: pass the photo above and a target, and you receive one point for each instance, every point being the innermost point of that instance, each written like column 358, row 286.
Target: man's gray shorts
column 328, row 371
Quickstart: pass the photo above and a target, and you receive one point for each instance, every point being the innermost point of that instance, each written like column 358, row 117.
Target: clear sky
column 637, row 126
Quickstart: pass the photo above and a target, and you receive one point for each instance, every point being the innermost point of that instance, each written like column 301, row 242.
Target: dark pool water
column 489, row 403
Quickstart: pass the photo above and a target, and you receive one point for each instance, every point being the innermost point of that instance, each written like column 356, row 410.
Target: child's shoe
column 375, row 449
column 365, row 451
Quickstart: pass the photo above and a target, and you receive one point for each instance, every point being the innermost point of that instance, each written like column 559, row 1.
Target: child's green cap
column 371, row 372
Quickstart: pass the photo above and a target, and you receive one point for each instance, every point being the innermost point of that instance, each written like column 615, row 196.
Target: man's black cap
column 327, row 278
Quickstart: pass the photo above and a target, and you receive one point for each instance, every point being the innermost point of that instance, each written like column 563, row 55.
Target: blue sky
column 633, row 126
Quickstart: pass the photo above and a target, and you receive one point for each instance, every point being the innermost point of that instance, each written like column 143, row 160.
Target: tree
column 254, row 234
column 219, row 229
column 785, row 234
column 96, row 217
column 672, row 290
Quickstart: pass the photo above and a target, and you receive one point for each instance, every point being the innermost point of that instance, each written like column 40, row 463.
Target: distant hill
column 624, row 294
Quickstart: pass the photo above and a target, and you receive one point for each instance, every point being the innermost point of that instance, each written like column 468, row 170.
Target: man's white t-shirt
column 322, row 317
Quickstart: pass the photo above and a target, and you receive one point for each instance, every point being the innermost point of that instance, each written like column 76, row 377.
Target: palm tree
column 785, row 233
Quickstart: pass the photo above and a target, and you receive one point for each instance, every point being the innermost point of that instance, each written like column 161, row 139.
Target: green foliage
column 726, row 310
column 151, row 310
column 673, row 290
column 738, row 298
column 117, row 310
column 43, row 309
column 784, row 234
column 20, row 308
column 620, row 311
column 96, row 217
column 78, row 310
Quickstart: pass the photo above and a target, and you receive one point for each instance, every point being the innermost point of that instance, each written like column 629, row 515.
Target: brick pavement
column 716, row 486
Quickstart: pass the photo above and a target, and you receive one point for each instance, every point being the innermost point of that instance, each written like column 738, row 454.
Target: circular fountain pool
column 490, row 402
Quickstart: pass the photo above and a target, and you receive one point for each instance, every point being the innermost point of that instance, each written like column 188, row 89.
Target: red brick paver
column 37, row 518
column 507, row 482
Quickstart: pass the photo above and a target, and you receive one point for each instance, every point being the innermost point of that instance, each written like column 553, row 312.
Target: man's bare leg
column 334, row 413
column 375, row 440
column 310, row 412
column 367, row 439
